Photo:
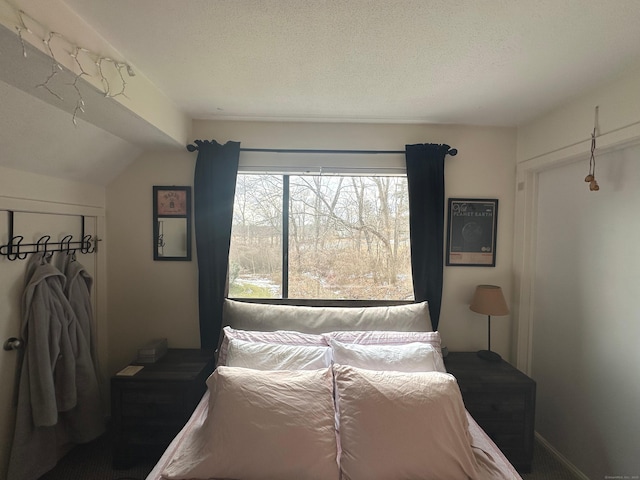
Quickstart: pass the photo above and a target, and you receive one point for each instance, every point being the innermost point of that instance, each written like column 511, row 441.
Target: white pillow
column 409, row 357
column 383, row 337
column 281, row 337
column 263, row 425
column 389, row 338
column 269, row 356
column 402, row 425
column 264, row 317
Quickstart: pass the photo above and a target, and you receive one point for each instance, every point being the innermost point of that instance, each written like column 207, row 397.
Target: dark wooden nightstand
column 501, row 399
column 149, row 408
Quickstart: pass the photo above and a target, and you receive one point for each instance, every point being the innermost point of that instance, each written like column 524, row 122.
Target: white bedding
column 278, row 421
column 491, row 462
column 390, row 392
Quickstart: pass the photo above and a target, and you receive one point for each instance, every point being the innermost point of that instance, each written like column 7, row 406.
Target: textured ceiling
column 482, row 62
column 490, row 62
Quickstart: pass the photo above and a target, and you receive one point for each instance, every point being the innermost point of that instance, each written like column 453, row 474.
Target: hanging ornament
column 591, row 177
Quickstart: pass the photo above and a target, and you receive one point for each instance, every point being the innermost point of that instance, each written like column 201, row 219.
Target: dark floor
column 92, row 461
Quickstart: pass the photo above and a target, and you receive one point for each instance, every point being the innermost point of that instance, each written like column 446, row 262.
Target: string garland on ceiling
column 83, row 58
column 591, row 177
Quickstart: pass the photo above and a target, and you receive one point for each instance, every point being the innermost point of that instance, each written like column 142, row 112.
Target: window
column 320, row 236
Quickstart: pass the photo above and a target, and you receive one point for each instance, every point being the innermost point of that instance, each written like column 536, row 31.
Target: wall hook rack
column 16, row 250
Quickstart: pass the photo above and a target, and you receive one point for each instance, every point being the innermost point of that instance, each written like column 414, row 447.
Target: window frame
column 385, row 168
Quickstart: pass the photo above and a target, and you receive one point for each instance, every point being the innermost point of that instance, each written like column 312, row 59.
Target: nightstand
column 149, row 408
column 501, row 399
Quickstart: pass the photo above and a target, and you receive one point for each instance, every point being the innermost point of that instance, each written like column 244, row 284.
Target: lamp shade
column 489, row 300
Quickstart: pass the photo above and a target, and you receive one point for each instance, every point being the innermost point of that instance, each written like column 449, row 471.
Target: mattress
column 492, row 463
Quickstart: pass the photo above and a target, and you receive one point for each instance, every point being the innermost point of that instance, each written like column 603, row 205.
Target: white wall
column 61, row 204
column 576, row 278
column 564, row 131
column 147, row 299
column 150, row 299
column 586, row 315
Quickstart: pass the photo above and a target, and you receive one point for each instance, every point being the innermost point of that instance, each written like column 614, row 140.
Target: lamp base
column 489, row 356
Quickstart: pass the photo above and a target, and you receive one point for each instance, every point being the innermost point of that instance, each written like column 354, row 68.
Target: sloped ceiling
column 483, row 62
column 41, row 138
column 37, row 132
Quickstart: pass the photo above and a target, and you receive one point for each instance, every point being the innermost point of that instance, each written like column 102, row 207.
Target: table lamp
column 489, row 300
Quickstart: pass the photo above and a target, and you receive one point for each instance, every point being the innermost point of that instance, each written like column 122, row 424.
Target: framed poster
column 471, row 232
column 172, row 223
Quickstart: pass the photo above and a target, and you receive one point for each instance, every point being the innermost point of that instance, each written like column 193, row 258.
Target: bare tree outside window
column 348, row 237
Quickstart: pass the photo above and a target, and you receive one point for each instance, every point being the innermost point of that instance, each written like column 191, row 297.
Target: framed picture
column 171, row 223
column 171, row 200
column 471, row 232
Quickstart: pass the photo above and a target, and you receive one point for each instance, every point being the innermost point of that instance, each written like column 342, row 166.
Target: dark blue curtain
column 214, row 188
column 425, row 177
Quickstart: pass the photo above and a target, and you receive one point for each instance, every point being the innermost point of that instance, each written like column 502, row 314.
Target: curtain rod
column 453, row 151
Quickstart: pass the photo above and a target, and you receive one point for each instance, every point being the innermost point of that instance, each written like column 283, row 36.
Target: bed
column 321, row 393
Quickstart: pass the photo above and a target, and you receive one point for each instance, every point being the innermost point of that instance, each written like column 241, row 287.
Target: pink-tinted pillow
column 402, row 425
column 263, row 425
column 280, row 337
